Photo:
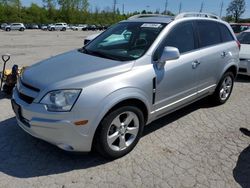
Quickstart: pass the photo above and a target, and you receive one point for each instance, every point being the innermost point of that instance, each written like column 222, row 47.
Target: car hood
column 74, row 69
column 245, row 51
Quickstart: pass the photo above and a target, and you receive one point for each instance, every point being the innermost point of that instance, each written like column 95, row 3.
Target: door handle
column 195, row 64
column 223, row 54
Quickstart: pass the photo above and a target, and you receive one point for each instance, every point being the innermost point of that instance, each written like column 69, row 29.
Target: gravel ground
column 198, row 146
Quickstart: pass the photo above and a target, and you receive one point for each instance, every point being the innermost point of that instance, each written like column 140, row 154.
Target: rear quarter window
column 209, row 33
column 226, row 35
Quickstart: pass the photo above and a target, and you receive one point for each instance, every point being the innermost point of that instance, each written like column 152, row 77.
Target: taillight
column 239, row 45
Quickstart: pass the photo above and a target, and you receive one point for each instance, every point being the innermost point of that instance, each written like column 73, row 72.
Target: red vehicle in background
column 240, row 27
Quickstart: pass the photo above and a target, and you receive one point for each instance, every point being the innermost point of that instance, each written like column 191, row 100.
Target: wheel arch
column 231, row 68
column 133, row 101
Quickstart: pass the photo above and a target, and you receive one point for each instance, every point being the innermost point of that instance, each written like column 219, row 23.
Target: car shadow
column 242, row 78
column 165, row 120
column 23, row 156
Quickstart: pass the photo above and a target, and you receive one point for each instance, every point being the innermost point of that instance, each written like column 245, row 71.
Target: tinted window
column 209, row 33
column 225, row 33
column 182, row 37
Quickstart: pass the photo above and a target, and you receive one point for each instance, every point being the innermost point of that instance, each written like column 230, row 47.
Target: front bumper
column 51, row 127
column 244, row 67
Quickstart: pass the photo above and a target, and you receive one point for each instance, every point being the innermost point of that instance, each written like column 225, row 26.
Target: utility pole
column 202, row 6
column 166, row 7
column 123, row 8
column 114, row 6
column 180, row 7
column 221, row 8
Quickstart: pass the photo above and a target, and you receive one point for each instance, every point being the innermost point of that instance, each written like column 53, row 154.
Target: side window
column 209, row 33
column 225, row 33
column 182, row 37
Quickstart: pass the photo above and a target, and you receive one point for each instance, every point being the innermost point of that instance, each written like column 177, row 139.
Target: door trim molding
column 182, row 99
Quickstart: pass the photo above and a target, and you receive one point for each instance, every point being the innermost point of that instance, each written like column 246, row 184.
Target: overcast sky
column 212, row 6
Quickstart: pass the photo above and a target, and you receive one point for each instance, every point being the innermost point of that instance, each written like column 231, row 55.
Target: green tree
column 235, row 9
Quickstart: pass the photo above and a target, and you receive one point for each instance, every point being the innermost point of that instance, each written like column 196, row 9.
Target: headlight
column 60, row 100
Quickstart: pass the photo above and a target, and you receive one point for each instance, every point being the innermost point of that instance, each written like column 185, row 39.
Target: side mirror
column 86, row 41
column 169, row 53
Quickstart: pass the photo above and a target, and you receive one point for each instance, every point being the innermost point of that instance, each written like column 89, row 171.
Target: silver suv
column 58, row 27
column 102, row 95
column 15, row 26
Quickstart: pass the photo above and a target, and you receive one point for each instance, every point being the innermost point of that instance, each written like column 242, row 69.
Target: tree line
column 69, row 11
column 79, row 11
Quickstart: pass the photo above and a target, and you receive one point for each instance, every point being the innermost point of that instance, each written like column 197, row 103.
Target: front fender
column 115, row 98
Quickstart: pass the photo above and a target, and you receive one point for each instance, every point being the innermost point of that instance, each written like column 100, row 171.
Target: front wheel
column 119, row 132
column 224, row 88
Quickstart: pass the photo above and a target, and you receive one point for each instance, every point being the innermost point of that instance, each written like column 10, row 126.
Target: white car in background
column 58, row 27
column 244, row 66
column 15, row 26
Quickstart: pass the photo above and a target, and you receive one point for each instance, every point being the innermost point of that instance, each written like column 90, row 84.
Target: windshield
column 244, row 38
column 124, row 41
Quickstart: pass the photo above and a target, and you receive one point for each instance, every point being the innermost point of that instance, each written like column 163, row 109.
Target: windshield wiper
column 99, row 54
column 104, row 55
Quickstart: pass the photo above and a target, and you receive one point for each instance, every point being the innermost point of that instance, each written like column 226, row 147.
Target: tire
column 125, row 136
column 21, row 29
column 7, row 29
column 224, row 89
column 64, row 29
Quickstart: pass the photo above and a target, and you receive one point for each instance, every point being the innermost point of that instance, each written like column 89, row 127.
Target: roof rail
column 197, row 14
column 149, row 15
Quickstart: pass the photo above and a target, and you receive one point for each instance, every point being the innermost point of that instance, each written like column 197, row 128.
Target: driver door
column 176, row 82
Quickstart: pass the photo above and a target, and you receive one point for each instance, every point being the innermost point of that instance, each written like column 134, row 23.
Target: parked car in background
column 92, row 27
column 85, row 27
column 72, row 27
column 80, row 27
column 44, row 27
column 240, row 27
column 58, row 27
column 3, row 25
column 244, row 39
column 15, row 26
column 31, row 26
column 102, row 95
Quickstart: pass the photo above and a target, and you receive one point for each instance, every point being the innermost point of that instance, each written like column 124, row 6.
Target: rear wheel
column 7, row 29
column 21, row 29
column 224, row 88
column 119, row 132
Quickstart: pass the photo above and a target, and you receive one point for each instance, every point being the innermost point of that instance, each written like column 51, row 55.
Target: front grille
column 242, row 70
column 25, row 98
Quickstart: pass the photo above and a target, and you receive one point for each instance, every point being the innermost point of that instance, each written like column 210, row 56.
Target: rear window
column 209, row 33
column 225, row 33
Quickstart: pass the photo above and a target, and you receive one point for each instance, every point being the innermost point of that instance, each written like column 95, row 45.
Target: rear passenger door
column 215, row 49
